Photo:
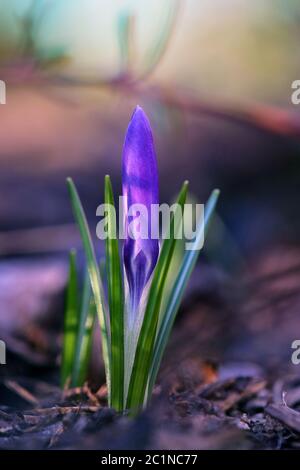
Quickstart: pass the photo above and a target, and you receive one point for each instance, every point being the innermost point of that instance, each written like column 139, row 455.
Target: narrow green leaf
column 84, row 336
column 146, row 341
column 116, row 301
column 70, row 322
column 177, row 292
column 95, row 278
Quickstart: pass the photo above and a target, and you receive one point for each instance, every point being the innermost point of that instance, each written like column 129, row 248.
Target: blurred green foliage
column 223, row 49
column 20, row 34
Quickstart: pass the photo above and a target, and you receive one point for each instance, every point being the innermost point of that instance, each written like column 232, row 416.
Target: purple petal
column 140, row 186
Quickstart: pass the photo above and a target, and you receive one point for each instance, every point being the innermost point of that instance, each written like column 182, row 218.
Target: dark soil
column 227, row 381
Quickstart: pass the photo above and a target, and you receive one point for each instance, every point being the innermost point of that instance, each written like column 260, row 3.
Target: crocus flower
column 140, row 186
column 136, row 323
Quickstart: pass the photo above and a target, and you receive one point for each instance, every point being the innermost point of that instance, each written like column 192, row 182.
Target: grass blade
column 176, row 295
column 146, row 341
column 84, row 336
column 95, row 278
column 116, row 303
column 70, row 322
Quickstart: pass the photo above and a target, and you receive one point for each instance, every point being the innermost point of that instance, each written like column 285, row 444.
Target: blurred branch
column 266, row 117
column 269, row 118
column 260, row 116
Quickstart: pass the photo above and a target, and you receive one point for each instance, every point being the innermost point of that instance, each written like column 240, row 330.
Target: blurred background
column 215, row 78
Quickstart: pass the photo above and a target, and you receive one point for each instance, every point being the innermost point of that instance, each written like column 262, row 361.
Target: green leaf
column 84, row 336
column 116, row 302
column 146, row 341
column 95, row 278
column 177, row 292
column 70, row 322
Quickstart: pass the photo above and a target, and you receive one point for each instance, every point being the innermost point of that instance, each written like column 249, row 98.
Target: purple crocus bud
column 140, row 186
